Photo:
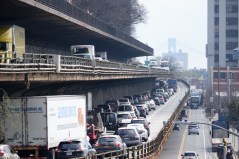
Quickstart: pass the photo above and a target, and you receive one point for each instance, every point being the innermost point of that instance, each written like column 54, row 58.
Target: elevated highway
column 52, row 26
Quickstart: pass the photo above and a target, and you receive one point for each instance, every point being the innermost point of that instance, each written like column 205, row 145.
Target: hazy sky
column 185, row 20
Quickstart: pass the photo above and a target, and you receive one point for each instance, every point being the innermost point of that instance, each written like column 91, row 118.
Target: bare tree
column 121, row 14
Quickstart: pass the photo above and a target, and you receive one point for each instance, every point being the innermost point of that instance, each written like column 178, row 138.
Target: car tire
column 188, row 133
column 198, row 133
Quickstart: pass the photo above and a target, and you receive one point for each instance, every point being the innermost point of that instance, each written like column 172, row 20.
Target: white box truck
column 36, row 125
column 83, row 51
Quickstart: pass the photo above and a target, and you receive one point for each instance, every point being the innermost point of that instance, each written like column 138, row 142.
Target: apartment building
column 221, row 42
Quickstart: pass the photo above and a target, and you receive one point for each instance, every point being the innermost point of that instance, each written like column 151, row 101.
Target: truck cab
column 83, row 51
column 12, row 43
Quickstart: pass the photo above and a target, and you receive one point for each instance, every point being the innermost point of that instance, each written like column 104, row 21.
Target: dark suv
column 74, row 148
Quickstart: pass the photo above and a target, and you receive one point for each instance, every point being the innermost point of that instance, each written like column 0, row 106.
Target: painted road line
column 204, row 142
column 183, row 139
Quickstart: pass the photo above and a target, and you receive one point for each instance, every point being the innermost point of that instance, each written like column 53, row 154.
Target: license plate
column 68, row 153
column 110, row 123
column 126, row 138
column 106, row 146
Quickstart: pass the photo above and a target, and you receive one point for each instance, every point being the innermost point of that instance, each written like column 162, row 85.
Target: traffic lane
column 200, row 143
column 171, row 149
column 181, row 141
column 164, row 112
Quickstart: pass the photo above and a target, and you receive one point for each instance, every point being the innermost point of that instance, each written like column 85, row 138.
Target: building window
column 216, row 58
column 232, row 21
column 216, row 9
column 232, row 9
column 216, row 46
column 216, row 21
column 216, row 33
column 215, row 75
column 231, row 45
column 231, row 33
column 223, row 75
column 229, row 58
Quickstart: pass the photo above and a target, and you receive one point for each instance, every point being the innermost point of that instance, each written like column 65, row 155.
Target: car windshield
column 138, row 126
column 108, row 117
column 140, row 107
column 70, row 145
column 125, row 108
column 123, row 100
column 183, row 112
column 129, row 132
column 190, row 154
column 124, row 116
column 138, row 121
column 107, row 139
column 193, row 126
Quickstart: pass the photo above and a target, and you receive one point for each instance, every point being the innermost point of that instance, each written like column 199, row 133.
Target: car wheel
column 198, row 133
column 146, row 139
column 188, row 133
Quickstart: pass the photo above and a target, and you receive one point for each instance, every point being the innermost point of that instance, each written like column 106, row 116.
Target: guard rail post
column 57, row 62
column 133, row 150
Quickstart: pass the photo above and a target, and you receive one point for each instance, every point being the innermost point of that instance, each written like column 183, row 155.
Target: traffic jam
column 125, row 120
column 60, row 127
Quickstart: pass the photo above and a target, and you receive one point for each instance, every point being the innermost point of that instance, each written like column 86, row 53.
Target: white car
column 124, row 101
column 193, row 129
column 124, row 118
column 189, row 155
column 141, row 129
column 128, row 109
column 152, row 104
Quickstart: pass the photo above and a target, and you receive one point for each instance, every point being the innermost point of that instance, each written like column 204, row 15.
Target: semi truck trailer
column 36, row 125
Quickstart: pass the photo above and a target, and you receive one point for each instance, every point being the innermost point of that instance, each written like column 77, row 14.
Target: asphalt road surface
column 180, row 141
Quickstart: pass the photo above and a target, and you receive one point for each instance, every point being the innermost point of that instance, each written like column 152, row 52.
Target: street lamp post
column 218, row 85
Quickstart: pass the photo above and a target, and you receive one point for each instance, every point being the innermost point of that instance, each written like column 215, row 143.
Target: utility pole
column 218, row 85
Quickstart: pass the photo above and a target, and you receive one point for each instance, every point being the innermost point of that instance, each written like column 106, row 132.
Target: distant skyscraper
column 171, row 45
column 180, row 57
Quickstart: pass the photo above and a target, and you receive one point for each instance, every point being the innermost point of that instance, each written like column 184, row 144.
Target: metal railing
column 81, row 15
column 32, row 62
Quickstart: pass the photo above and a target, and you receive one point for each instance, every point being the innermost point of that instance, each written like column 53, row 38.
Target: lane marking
column 183, row 138
column 204, row 142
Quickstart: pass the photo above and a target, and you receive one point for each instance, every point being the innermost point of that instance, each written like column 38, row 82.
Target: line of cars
column 126, row 118
column 125, row 121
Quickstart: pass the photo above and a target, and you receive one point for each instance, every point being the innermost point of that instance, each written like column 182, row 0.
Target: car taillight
column 96, row 144
column 117, row 144
column 1, row 153
column 57, row 149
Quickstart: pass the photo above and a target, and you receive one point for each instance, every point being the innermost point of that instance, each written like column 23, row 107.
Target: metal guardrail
column 71, row 64
column 81, row 15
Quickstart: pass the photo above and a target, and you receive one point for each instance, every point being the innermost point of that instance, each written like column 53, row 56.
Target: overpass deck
column 52, row 26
